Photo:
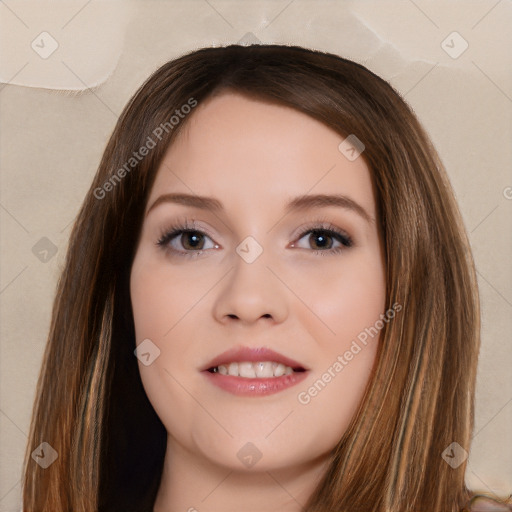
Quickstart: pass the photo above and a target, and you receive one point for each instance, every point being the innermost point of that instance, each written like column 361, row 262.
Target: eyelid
column 180, row 226
column 184, row 224
column 323, row 225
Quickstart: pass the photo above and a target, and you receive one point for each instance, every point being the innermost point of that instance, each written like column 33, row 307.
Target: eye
column 187, row 239
column 324, row 237
column 188, row 236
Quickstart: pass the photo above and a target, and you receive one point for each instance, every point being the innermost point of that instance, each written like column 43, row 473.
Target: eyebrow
column 299, row 203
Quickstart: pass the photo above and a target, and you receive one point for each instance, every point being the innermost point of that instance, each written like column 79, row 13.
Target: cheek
column 360, row 299
column 349, row 299
column 162, row 295
column 346, row 297
column 154, row 306
column 159, row 303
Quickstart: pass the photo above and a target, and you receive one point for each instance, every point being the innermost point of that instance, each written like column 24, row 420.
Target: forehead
column 246, row 151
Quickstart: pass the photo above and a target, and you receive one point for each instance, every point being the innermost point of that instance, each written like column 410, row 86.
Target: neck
column 191, row 483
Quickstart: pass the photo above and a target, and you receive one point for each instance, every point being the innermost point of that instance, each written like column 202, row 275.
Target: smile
column 253, row 371
column 259, row 369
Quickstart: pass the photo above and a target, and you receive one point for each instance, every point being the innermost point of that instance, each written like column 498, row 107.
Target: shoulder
column 485, row 504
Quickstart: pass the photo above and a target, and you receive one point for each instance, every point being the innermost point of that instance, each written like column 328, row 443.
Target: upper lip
column 241, row 354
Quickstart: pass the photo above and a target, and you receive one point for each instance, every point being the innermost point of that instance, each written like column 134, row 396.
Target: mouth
column 254, row 371
column 259, row 369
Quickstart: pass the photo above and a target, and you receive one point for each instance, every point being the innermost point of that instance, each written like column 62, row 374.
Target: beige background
column 52, row 141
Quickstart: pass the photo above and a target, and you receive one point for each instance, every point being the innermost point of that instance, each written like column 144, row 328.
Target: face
column 257, row 270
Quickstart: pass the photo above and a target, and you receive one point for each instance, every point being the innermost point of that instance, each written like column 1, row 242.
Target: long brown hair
column 90, row 403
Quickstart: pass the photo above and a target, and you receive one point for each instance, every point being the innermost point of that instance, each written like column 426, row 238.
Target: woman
column 204, row 356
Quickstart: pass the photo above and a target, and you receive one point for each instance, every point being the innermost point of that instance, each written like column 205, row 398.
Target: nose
column 251, row 292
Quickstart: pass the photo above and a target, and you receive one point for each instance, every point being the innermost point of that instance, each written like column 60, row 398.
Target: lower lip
column 243, row 386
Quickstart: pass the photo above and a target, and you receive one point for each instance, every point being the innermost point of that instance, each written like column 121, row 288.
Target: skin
column 254, row 157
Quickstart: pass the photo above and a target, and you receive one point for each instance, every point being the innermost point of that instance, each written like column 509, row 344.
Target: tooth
column 279, row 370
column 264, row 369
column 260, row 369
column 233, row 369
column 246, row 370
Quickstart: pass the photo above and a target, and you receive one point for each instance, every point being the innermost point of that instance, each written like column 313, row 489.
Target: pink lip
column 253, row 386
column 244, row 386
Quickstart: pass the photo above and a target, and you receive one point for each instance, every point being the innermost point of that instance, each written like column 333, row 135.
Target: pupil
column 192, row 236
column 321, row 237
column 196, row 240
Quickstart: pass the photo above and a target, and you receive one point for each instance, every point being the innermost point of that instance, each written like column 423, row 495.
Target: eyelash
column 321, row 226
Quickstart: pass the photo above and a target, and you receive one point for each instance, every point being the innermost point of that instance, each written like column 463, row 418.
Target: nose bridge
column 251, row 291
